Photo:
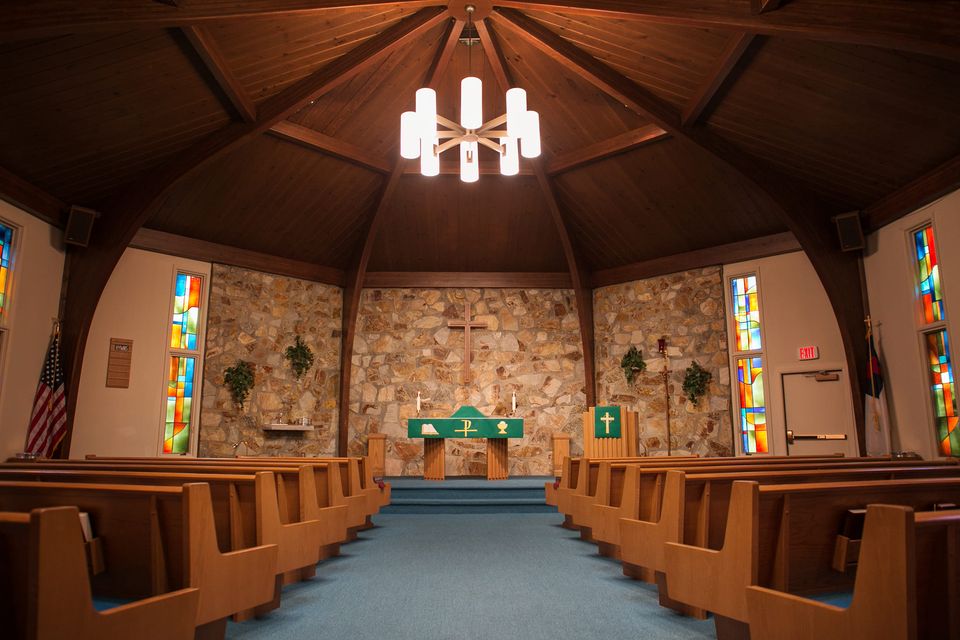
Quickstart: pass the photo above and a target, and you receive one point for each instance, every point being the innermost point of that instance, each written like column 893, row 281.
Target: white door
column 818, row 420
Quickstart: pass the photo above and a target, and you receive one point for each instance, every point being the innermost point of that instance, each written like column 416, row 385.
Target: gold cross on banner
column 467, row 324
column 466, row 431
column 606, row 420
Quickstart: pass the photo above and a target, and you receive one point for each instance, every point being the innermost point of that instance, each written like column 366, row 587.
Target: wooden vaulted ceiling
column 97, row 101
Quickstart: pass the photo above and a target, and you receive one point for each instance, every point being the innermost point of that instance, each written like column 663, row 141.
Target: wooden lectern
column 467, row 422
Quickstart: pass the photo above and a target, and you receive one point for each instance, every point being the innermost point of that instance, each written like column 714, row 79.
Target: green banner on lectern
column 467, row 422
column 606, row 422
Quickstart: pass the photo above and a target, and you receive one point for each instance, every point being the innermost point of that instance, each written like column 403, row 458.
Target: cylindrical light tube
column 471, row 103
column 516, row 112
column 427, row 113
column 429, row 159
column 509, row 158
column 530, row 143
column 469, row 162
column 409, row 136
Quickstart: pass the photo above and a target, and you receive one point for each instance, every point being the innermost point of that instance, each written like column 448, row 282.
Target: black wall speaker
column 849, row 231
column 79, row 226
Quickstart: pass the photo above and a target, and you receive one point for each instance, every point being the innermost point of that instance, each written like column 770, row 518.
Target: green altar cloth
column 466, row 422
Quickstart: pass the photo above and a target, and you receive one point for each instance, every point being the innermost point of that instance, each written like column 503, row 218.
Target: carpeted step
column 468, row 495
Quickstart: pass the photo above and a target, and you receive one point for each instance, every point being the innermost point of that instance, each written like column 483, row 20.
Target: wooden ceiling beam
column 471, row 279
column 801, row 211
column 579, row 279
column 205, row 46
column 913, row 195
column 606, row 148
column 355, row 279
column 32, row 199
column 729, row 58
column 313, row 139
column 752, row 249
column 194, row 249
column 922, row 26
column 762, row 6
column 132, row 206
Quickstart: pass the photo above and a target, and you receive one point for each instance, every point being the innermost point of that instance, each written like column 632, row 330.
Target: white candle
column 514, row 402
column 418, row 402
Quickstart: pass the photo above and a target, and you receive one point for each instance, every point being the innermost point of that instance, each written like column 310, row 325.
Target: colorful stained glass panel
column 753, row 411
column 176, row 436
column 6, row 246
column 746, row 312
column 186, row 312
column 943, row 390
column 928, row 271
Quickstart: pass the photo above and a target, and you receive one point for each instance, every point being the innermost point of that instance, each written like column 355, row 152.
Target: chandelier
column 420, row 135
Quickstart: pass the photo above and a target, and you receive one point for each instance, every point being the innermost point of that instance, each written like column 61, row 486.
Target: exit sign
column 808, row 353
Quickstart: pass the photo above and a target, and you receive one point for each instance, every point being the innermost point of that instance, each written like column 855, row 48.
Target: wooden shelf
column 287, row 427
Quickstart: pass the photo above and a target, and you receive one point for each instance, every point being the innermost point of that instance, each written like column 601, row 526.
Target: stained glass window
column 928, row 269
column 746, row 313
column 186, row 312
column 6, row 246
column 176, row 436
column 753, row 413
column 943, row 390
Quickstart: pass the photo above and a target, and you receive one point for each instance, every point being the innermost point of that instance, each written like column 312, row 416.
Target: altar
column 466, row 422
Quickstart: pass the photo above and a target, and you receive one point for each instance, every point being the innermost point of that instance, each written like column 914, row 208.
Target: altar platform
column 468, row 494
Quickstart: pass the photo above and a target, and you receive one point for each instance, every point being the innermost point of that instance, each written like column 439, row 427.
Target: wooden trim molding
column 723, row 254
column 466, row 280
column 194, row 249
column 913, row 195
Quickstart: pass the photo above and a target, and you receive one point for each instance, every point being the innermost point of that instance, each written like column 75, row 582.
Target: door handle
column 791, row 436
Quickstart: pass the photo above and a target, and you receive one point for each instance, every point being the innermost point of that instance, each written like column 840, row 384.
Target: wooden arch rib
column 123, row 215
column 804, row 215
column 353, row 289
column 581, row 287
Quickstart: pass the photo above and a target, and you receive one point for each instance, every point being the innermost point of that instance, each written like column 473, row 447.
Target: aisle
column 466, row 577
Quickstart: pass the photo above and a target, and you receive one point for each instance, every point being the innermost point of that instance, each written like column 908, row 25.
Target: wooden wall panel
column 851, row 122
column 442, row 224
column 84, row 114
column 672, row 62
column 267, row 55
column 274, row 197
column 366, row 111
column 660, row 200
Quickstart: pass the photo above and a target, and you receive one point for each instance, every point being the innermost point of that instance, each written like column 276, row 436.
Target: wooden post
column 434, row 452
column 498, row 467
column 561, row 450
column 377, row 453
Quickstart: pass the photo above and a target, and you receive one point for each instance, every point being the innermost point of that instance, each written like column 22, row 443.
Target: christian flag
column 877, row 420
column 48, row 422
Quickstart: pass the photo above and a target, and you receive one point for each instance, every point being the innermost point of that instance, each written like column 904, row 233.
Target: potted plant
column 632, row 364
column 695, row 382
column 300, row 357
column 240, row 379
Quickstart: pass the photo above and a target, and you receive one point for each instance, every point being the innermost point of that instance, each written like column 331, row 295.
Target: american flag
column 48, row 422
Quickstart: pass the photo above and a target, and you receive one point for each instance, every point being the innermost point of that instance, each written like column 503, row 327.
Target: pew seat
column 45, row 589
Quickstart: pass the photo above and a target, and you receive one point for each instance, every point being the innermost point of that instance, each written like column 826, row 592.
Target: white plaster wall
column 135, row 305
column 34, row 301
column 796, row 312
column 891, row 285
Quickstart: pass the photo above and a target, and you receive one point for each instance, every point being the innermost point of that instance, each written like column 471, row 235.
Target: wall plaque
column 118, row 363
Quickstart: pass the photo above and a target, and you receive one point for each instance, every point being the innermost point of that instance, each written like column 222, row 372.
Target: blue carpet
column 469, row 576
column 468, row 495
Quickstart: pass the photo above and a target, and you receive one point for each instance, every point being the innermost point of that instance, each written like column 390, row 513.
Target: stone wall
column 404, row 345
column 687, row 308
column 254, row 316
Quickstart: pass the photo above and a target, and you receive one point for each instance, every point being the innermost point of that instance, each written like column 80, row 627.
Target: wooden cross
column 467, row 324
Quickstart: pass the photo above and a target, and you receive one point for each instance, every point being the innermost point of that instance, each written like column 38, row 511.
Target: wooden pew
column 629, row 491
column 907, row 586
column 160, row 539
column 694, row 510
column 245, row 508
column 45, row 587
column 783, row 537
